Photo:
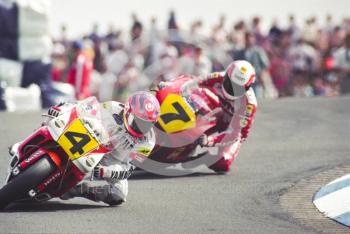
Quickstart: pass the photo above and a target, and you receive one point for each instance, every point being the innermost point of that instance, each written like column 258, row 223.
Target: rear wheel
column 19, row 186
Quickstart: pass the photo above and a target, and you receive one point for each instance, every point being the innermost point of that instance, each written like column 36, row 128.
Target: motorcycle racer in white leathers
column 135, row 137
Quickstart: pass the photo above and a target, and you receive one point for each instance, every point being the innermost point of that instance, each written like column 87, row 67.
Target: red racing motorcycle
column 187, row 112
column 58, row 155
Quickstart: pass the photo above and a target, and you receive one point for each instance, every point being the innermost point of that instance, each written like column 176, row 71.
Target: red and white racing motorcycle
column 58, row 155
column 186, row 114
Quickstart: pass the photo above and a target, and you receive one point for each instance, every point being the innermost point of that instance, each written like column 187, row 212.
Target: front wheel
column 19, row 186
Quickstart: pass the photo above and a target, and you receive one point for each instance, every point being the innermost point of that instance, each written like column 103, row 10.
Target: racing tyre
column 19, row 186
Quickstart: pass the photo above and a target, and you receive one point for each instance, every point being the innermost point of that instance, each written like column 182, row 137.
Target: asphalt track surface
column 292, row 139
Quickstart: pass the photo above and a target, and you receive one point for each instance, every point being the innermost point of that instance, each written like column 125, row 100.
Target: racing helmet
column 140, row 113
column 239, row 77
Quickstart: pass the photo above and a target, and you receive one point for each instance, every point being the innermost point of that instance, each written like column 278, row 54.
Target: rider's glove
column 55, row 111
column 98, row 172
column 243, row 139
column 154, row 88
column 187, row 87
column 101, row 172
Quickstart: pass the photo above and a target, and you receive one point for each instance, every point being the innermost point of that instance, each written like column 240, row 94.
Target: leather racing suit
column 115, row 167
column 235, row 117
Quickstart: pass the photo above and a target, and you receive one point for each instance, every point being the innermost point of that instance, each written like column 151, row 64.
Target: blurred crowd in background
column 306, row 60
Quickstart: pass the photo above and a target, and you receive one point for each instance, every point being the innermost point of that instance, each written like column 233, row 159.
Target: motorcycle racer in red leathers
column 231, row 92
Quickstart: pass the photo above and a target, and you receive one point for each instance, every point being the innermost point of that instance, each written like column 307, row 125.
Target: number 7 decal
column 180, row 115
column 176, row 115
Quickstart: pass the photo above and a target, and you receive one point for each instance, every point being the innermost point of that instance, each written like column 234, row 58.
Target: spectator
column 59, row 62
column 202, row 64
column 293, row 30
column 275, row 32
column 136, row 28
column 63, row 38
column 329, row 24
column 342, row 64
column 172, row 24
column 309, row 32
column 280, row 68
column 237, row 36
column 173, row 31
column 219, row 32
column 299, row 61
column 79, row 74
column 304, row 61
column 257, row 31
column 337, row 37
column 117, row 58
column 257, row 56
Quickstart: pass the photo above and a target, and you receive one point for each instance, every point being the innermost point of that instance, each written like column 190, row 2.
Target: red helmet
column 140, row 113
column 239, row 77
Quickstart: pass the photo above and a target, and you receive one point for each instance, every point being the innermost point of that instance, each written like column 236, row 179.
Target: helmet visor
column 140, row 126
column 232, row 90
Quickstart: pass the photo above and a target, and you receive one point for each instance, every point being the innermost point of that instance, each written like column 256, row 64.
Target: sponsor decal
column 243, row 70
column 240, row 78
column 105, row 105
column 249, row 110
column 149, row 106
column 34, row 155
column 215, row 75
column 90, row 162
column 243, row 123
column 52, row 178
column 228, row 107
column 144, row 151
column 60, row 123
column 118, row 119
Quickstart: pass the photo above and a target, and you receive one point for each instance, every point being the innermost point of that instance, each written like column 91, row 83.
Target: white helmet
column 239, row 77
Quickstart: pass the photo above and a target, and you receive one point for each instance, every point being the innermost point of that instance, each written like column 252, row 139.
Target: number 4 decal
column 78, row 140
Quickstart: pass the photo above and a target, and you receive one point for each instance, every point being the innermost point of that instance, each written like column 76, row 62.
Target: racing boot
column 111, row 194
